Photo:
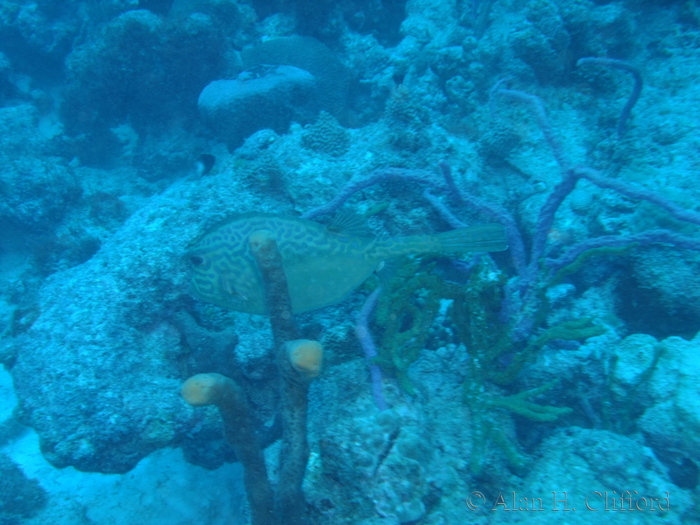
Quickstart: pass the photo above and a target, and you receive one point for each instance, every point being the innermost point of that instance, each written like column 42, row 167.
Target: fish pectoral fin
column 230, row 289
column 386, row 270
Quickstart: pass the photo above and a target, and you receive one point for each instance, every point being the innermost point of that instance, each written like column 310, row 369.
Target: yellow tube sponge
column 204, row 389
column 239, row 430
column 305, row 356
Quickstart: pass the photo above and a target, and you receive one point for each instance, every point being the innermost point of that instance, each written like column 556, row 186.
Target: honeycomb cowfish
column 322, row 263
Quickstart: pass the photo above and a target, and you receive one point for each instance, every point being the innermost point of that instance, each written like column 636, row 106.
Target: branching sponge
column 216, row 389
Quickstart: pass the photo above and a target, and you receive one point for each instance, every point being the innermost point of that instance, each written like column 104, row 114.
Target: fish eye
column 197, row 260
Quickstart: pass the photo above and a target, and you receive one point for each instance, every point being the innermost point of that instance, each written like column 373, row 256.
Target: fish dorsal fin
column 346, row 222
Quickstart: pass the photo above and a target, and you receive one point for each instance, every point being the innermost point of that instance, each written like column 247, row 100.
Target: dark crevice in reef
column 643, row 310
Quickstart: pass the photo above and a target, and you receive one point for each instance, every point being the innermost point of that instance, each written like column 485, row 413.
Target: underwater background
column 555, row 381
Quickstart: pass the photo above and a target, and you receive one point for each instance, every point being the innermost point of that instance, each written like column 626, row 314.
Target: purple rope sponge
column 636, row 90
column 367, row 343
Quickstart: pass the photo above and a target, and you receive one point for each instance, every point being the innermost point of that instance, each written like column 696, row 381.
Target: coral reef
column 267, row 97
column 306, row 53
column 326, row 136
column 567, row 363
column 20, row 498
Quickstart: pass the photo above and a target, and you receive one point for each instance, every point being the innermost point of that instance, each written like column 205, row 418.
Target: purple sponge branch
column 367, row 343
column 496, row 212
column 572, row 175
column 635, row 191
column 442, row 210
column 446, row 171
column 534, row 273
column 540, row 113
column 525, row 304
column 529, row 282
column 377, row 176
column 636, row 90
column 647, row 237
column 565, row 187
column 543, row 226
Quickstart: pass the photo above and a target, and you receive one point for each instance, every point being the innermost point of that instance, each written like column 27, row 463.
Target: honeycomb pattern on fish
column 322, row 265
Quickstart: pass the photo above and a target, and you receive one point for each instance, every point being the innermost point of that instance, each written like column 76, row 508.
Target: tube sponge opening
column 204, row 389
column 305, row 356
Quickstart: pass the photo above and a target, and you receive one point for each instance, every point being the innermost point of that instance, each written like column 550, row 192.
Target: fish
column 323, row 263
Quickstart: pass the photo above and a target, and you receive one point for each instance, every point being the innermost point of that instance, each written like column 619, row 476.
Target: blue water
column 557, row 380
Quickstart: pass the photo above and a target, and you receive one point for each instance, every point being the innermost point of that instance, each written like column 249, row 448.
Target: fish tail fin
column 484, row 238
